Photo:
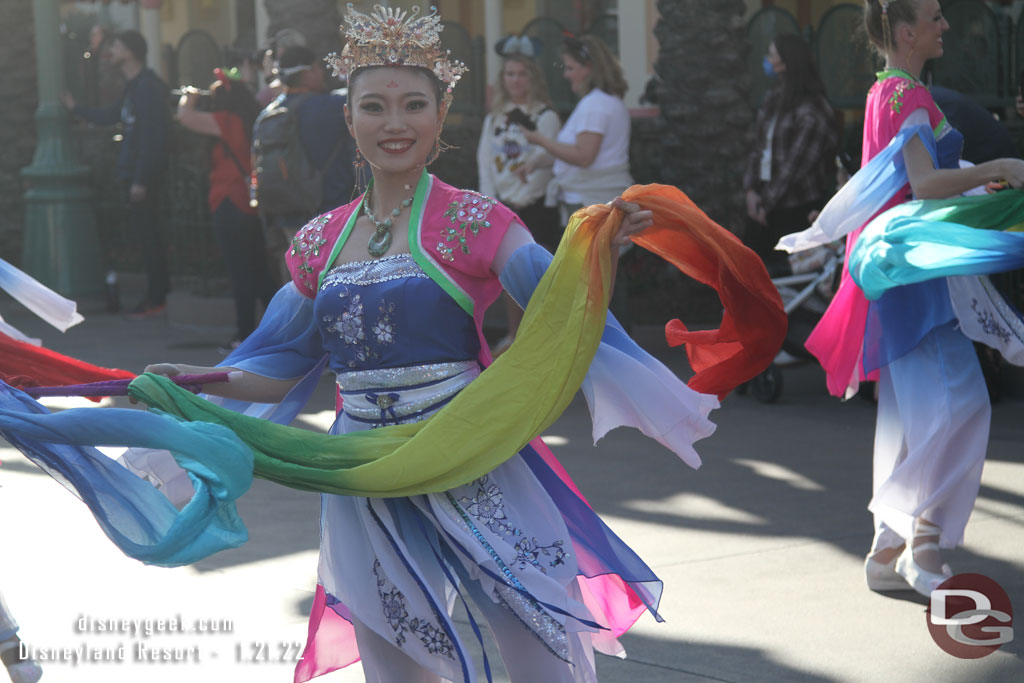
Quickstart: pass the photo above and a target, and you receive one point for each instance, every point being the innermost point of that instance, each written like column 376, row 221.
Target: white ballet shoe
column 919, row 578
column 882, row 576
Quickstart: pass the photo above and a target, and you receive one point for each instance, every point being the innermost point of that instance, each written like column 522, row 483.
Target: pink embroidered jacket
column 453, row 235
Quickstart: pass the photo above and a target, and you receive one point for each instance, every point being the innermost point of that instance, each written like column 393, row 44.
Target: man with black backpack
column 302, row 152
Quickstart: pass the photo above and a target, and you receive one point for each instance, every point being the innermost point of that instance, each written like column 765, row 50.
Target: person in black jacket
column 142, row 158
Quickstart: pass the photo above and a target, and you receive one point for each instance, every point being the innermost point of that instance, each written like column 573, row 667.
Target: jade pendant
column 379, row 243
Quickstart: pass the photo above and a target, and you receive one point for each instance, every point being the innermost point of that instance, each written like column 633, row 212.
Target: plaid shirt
column 804, row 146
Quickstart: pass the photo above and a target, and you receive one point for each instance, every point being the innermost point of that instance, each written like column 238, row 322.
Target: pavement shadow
column 20, row 467
column 281, row 521
column 657, row 660
column 798, row 469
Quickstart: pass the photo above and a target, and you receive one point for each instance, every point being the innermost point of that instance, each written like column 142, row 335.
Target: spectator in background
column 319, row 124
column 1020, row 95
column 521, row 103
column 101, row 81
column 142, row 157
column 282, row 40
column 232, row 113
column 790, row 172
column 250, row 67
column 591, row 150
column 271, row 85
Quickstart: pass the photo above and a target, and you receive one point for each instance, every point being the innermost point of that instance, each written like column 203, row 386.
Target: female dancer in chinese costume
column 440, row 487
column 933, row 407
column 393, row 288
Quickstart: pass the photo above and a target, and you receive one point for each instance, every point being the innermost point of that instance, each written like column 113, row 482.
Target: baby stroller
column 805, row 296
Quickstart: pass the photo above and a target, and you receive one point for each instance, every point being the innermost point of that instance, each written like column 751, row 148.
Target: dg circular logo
column 970, row 616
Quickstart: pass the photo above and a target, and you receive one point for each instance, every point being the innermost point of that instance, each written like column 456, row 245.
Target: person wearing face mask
column 791, row 166
column 521, row 103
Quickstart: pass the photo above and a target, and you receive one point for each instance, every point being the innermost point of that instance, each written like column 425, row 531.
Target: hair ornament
column 394, row 37
column 886, row 26
column 576, row 47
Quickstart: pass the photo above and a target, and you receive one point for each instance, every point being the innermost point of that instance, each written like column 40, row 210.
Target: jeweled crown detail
column 394, row 37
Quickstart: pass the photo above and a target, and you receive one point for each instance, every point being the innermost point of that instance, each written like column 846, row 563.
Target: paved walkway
column 760, row 549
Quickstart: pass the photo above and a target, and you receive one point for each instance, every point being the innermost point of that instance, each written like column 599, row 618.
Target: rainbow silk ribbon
column 512, row 401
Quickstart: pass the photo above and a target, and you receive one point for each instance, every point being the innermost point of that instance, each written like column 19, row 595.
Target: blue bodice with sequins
column 388, row 313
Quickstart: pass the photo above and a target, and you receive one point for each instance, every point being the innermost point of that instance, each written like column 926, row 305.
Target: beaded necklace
column 380, row 240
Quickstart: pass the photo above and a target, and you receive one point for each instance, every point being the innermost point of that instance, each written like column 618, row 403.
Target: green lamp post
column 61, row 246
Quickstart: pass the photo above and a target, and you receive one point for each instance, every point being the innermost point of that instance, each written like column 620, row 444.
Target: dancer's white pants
column 525, row 657
column 930, row 439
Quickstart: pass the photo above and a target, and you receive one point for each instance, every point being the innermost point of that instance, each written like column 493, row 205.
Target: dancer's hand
column 164, row 369
column 1013, row 172
column 634, row 220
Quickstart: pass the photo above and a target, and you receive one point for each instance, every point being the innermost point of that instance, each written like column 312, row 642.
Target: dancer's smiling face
column 926, row 36
column 394, row 115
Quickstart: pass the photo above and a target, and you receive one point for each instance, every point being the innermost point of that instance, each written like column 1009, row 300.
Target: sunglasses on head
column 578, row 49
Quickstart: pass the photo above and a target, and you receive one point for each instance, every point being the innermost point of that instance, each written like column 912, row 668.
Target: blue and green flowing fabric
column 922, row 240
column 131, row 512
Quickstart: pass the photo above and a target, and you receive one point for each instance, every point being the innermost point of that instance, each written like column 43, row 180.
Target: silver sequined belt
column 391, row 395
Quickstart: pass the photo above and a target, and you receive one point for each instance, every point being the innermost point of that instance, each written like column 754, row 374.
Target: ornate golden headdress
column 394, row 37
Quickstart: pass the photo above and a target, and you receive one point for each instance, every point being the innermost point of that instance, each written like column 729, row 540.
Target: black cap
column 135, row 43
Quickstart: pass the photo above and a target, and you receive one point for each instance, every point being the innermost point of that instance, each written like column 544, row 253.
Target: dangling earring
column 359, row 164
column 443, row 114
column 439, row 146
column 435, row 152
